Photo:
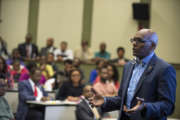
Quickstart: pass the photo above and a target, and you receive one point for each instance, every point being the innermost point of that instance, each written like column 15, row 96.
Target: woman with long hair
column 72, row 89
column 113, row 75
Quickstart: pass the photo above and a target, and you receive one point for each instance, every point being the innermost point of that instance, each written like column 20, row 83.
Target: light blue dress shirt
column 136, row 75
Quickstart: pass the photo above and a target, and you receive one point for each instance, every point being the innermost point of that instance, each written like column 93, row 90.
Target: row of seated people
column 16, row 70
column 29, row 51
column 71, row 90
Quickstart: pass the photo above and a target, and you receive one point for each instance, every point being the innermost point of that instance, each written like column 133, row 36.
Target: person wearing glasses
column 5, row 111
column 148, row 85
column 72, row 89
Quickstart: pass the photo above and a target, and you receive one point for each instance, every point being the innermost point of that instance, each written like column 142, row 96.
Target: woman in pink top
column 105, row 87
column 16, row 71
column 26, row 76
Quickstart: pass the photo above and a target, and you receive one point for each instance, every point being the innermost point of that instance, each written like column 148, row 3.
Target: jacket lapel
column 87, row 106
column 129, row 74
column 30, row 87
column 147, row 71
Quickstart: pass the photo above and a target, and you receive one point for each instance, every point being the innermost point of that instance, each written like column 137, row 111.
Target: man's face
column 49, row 42
column 87, row 92
column 102, row 47
column 141, row 48
column 36, row 77
column 104, row 73
column 3, row 87
column 68, row 67
column 16, row 66
column 120, row 54
column 76, row 62
column 63, row 46
column 84, row 45
column 16, row 54
column 28, row 39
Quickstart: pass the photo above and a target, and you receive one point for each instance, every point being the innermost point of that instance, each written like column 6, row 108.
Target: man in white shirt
column 30, row 90
column 84, row 53
column 63, row 53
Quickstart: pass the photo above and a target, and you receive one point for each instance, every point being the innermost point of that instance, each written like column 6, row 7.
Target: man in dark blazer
column 30, row 90
column 28, row 50
column 49, row 47
column 148, row 85
column 84, row 111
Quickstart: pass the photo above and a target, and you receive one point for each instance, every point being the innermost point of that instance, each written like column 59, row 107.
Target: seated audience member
column 84, row 53
column 14, row 56
column 104, row 87
column 50, row 61
column 76, row 65
column 94, row 73
column 30, row 66
column 3, row 68
column 16, row 71
column 49, row 47
column 47, row 69
column 3, row 48
column 4, row 73
column 63, row 76
column 120, row 60
column 5, row 111
column 28, row 50
column 85, row 111
column 63, row 53
column 113, row 75
column 30, row 90
column 102, row 54
column 72, row 89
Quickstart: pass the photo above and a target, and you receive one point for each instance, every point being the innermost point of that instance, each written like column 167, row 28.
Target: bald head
column 147, row 35
column 87, row 91
column 144, row 43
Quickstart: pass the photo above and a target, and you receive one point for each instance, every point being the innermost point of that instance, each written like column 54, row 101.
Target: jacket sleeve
column 166, row 95
column 114, row 103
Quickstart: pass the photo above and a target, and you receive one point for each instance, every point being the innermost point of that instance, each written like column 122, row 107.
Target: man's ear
column 153, row 45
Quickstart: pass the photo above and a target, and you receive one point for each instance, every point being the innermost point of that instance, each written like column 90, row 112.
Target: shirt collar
column 32, row 83
column 147, row 58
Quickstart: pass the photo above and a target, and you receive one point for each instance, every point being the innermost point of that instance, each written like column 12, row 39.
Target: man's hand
column 96, row 99
column 139, row 107
column 71, row 98
column 45, row 99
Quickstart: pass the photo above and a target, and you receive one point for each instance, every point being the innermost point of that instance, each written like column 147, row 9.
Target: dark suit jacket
column 157, row 86
column 23, row 52
column 45, row 51
column 25, row 93
column 84, row 112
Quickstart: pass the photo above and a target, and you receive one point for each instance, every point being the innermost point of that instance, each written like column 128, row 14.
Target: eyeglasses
column 75, row 75
column 137, row 40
